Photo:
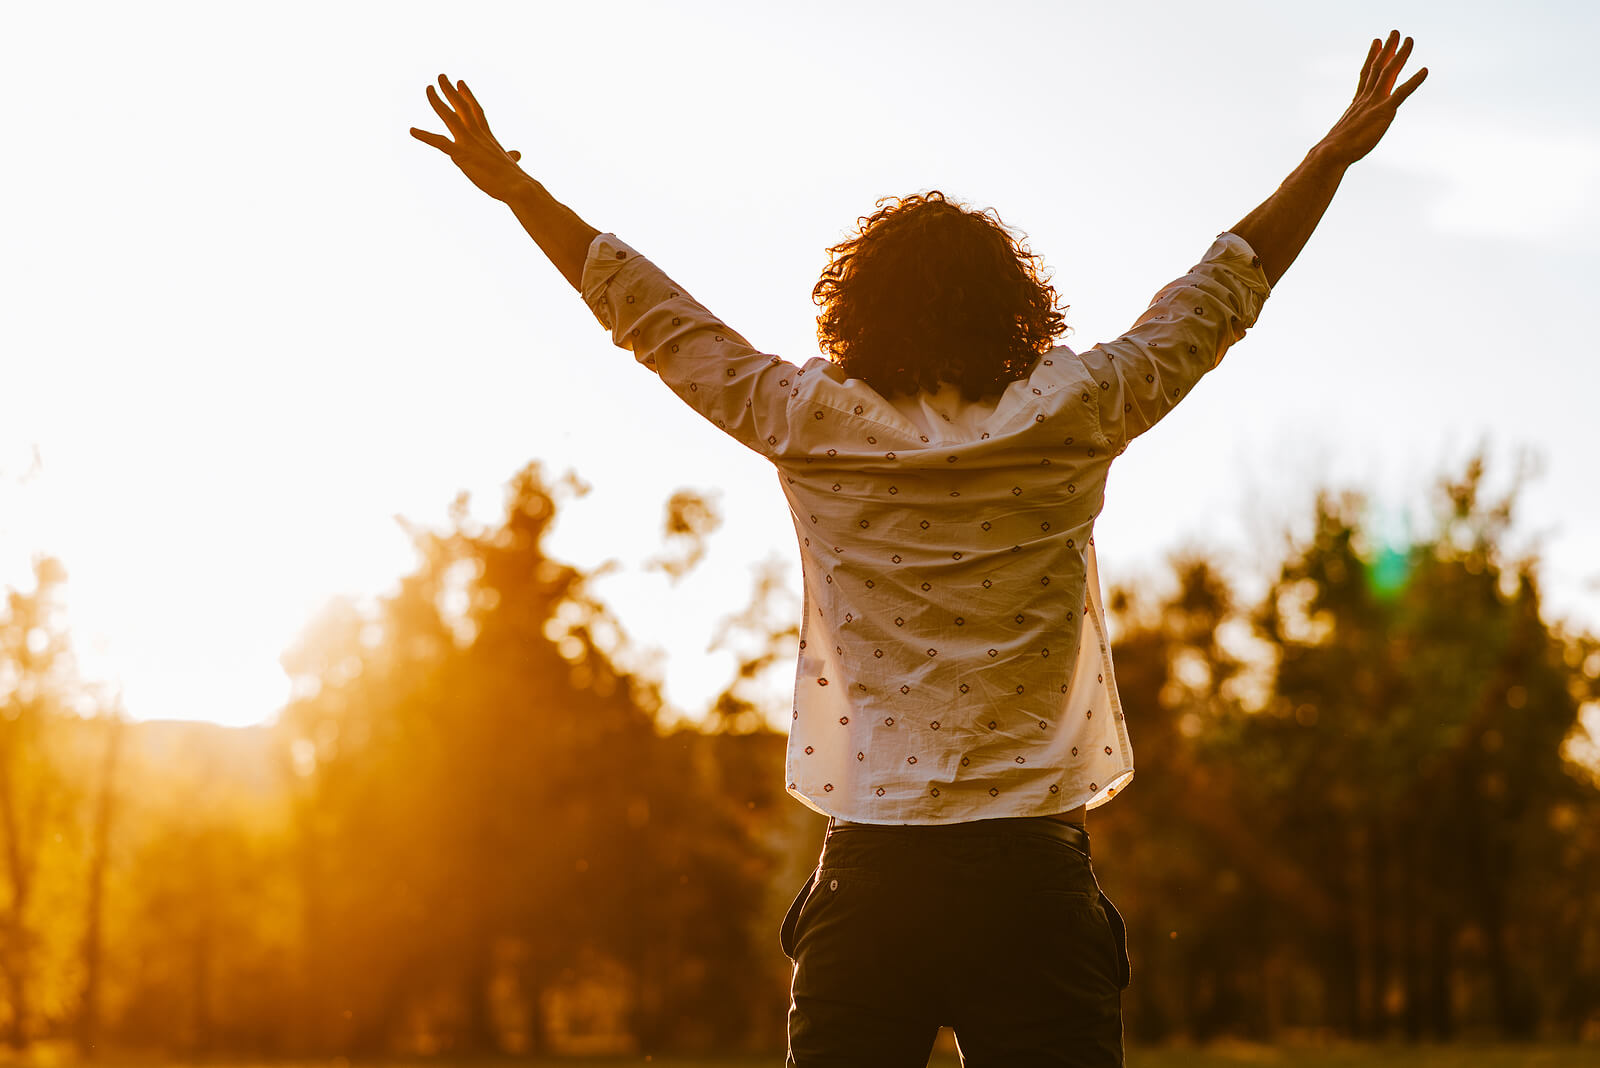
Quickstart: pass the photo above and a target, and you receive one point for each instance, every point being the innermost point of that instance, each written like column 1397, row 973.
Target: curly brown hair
column 928, row 291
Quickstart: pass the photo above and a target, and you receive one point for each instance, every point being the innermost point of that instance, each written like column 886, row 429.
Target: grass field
column 1586, row 1056
column 1374, row 1056
column 1366, row 1056
column 1232, row 1056
column 1237, row 1056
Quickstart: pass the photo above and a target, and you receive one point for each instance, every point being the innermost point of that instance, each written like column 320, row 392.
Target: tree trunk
column 17, row 989
column 1510, row 1019
column 1411, row 936
column 481, row 1036
column 1342, row 949
column 88, row 1023
column 1380, row 909
column 14, row 937
column 1440, row 966
column 532, row 985
column 312, row 1030
column 200, row 990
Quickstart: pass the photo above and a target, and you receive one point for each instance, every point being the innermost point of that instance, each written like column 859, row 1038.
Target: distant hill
column 207, row 760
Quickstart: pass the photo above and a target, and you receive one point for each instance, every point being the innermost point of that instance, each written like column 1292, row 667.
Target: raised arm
column 745, row 392
column 556, row 228
column 1280, row 227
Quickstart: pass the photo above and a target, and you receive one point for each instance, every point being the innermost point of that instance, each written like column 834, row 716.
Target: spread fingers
column 452, row 121
column 1409, row 87
column 1395, row 65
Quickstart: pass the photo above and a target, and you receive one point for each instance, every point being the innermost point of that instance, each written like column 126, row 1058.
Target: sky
column 248, row 321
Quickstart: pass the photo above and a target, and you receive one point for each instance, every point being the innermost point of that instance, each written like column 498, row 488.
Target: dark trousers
column 996, row 928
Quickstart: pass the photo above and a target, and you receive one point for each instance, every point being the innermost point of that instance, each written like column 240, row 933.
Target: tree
column 488, row 807
column 1424, row 701
column 35, row 797
column 1368, row 817
column 107, row 804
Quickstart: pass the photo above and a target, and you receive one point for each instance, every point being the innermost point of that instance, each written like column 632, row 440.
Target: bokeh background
column 391, row 666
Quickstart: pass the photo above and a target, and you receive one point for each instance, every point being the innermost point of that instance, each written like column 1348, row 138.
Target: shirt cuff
column 608, row 254
column 1234, row 253
column 1234, row 264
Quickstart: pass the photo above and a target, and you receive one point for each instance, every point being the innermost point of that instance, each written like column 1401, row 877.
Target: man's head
column 928, row 291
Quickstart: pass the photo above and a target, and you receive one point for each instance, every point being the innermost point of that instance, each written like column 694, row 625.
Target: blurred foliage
column 486, row 814
column 1388, row 838
column 1365, row 807
column 40, row 850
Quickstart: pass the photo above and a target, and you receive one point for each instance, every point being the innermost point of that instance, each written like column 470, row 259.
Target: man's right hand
column 1364, row 123
column 475, row 150
column 1279, row 228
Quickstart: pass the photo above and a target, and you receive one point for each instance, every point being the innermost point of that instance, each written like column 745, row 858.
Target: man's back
column 944, row 584
column 946, row 543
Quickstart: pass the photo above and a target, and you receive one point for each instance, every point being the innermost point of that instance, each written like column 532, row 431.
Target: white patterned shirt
column 954, row 663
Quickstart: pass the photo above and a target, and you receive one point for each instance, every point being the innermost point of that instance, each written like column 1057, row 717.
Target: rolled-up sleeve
column 740, row 389
column 1184, row 333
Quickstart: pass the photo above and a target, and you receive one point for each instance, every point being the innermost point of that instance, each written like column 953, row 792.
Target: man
column 955, row 709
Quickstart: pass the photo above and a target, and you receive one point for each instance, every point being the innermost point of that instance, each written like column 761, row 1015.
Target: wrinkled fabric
column 954, row 662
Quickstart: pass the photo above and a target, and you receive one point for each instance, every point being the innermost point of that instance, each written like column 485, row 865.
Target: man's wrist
column 1327, row 155
column 526, row 192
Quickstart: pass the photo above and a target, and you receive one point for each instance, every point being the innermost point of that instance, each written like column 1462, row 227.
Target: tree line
column 1365, row 806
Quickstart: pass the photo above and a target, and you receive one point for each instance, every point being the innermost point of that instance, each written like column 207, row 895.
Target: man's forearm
column 1280, row 227
column 556, row 228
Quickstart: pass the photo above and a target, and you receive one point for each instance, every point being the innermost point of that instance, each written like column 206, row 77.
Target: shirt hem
column 1090, row 799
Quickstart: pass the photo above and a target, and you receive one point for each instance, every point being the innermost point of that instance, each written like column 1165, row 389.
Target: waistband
column 1070, row 833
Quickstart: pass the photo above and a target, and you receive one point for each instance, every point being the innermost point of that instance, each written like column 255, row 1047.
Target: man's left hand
column 475, row 150
column 1377, row 98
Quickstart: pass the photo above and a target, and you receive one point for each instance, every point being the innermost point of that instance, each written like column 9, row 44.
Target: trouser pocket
column 1119, row 935
column 786, row 931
